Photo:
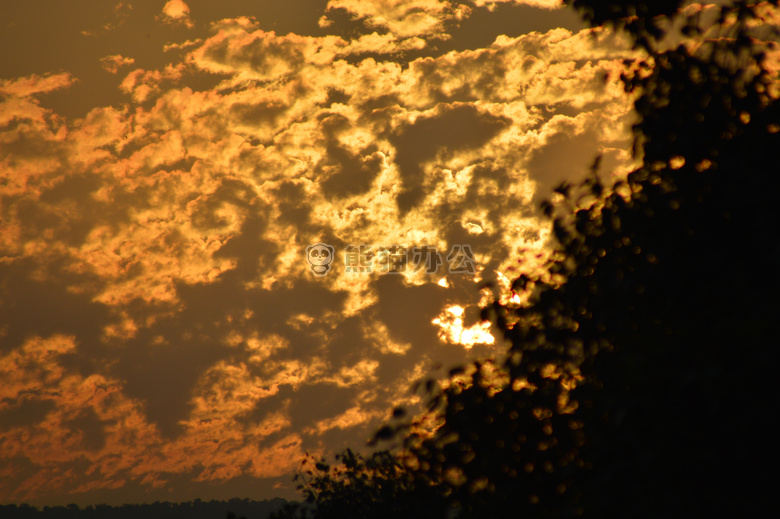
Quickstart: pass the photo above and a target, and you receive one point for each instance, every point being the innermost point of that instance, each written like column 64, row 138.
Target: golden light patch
column 451, row 329
column 350, row 418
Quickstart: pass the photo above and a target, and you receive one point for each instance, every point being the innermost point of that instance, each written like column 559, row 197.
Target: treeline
column 158, row 510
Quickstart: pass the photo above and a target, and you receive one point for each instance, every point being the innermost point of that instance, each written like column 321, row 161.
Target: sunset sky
column 163, row 168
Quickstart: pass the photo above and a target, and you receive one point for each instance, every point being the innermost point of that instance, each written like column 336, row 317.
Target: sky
column 164, row 166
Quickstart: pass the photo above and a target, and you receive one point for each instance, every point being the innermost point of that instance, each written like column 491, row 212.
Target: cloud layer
column 160, row 322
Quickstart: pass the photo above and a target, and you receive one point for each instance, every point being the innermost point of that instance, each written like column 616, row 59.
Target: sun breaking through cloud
column 162, row 331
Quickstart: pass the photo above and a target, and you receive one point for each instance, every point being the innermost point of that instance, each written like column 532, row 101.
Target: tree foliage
column 638, row 380
column 377, row 487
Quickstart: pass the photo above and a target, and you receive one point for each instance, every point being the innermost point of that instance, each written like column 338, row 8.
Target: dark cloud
column 458, row 127
column 408, row 310
column 41, row 301
column 344, row 171
column 481, row 27
column 294, row 210
column 316, row 402
column 567, row 155
column 91, row 428
column 261, row 114
column 24, row 413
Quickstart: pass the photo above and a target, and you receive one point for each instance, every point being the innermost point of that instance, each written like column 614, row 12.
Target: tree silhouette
column 377, row 487
column 638, row 380
column 158, row 510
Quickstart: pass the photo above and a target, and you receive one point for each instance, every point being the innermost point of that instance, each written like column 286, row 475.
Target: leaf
column 521, row 282
column 385, row 433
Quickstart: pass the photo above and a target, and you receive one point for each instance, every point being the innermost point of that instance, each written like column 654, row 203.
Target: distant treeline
column 242, row 508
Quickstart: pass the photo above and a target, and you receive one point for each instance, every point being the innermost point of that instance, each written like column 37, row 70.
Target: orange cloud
column 114, row 62
column 35, row 84
column 541, row 4
column 404, row 18
column 178, row 220
column 177, row 12
column 53, row 418
column 142, row 84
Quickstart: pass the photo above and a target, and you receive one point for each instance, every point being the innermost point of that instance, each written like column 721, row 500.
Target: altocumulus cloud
column 159, row 324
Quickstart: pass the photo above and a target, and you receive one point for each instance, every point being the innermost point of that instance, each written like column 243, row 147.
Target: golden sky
column 163, row 168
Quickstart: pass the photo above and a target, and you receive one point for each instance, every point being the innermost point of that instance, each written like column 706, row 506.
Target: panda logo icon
column 320, row 256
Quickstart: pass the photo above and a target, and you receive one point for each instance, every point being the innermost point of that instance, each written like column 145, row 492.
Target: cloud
column 142, row 84
column 62, row 418
column 177, row 12
column 181, row 45
column 541, row 4
column 35, row 84
column 158, row 320
column 404, row 18
column 114, row 62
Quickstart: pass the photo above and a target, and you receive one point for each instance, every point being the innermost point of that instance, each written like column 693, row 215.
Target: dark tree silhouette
column 377, row 487
column 638, row 380
column 158, row 510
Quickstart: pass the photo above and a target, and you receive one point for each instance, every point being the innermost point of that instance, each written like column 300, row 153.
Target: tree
column 377, row 487
column 638, row 380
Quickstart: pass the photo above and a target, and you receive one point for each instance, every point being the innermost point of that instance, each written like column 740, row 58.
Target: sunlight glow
column 452, row 331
